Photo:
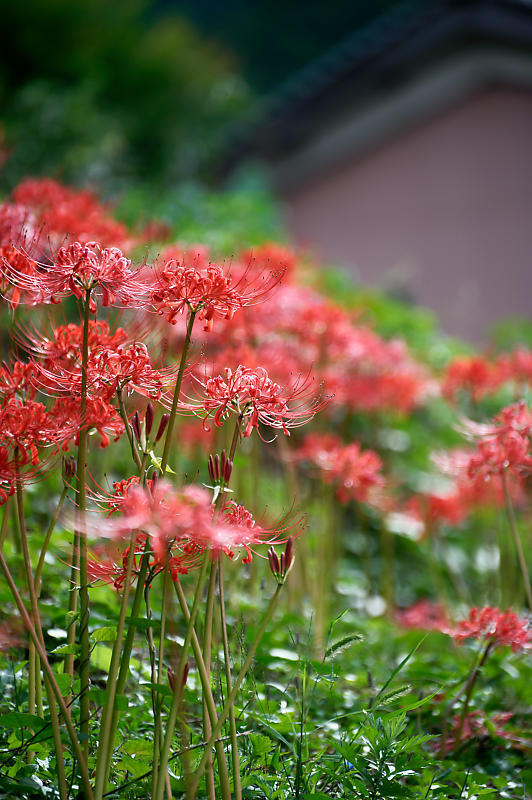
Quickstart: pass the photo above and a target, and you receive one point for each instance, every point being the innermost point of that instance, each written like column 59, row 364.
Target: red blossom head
column 206, row 289
column 255, row 398
column 79, row 270
column 492, row 625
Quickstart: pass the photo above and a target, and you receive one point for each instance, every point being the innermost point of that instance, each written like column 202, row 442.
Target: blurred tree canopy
column 275, row 39
column 103, row 92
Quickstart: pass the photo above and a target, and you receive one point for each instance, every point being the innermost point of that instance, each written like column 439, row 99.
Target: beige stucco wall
column 444, row 211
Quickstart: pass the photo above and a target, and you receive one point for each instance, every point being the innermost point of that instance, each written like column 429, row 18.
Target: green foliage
column 98, row 91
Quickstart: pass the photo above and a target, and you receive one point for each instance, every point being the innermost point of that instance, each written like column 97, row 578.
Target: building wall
column 442, row 213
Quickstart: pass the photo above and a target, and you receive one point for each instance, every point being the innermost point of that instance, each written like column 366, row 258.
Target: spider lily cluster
column 186, row 359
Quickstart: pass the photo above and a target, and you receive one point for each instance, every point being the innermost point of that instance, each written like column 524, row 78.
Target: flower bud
column 162, row 426
column 135, row 424
column 149, row 418
column 281, row 567
column 227, row 470
column 69, row 467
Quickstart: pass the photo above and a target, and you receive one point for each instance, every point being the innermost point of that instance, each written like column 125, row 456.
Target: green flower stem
column 128, row 645
column 81, row 537
column 237, row 782
column 56, row 732
column 48, row 536
column 51, row 677
column 517, row 541
column 158, row 676
column 206, row 688
column 467, row 689
column 230, row 700
column 5, row 522
column 126, row 655
column 129, row 432
column 207, row 653
column 470, row 685
column 33, row 677
column 34, row 659
column 177, row 390
column 105, row 743
column 178, row 688
column 153, row 673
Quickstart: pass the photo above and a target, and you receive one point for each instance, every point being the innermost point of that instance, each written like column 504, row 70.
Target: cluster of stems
column 74, row 715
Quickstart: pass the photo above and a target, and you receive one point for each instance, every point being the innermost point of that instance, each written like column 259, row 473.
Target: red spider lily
column 63, row 344
column 476, row 725
column 25, row 428
column 424, row 615
column 19, row 241
column 472, row 374
column 205, row 289
column 516, row 366
column 78, row 269
column 182, row 524
column 99, row 416
column 126, row 368
column 255, row 398
column 491, row 624
column 355, row 472
column 16, row 381
column 111, row 567
column 114, row 364
column 503, row 446
column 250, row 534
column 61, row 211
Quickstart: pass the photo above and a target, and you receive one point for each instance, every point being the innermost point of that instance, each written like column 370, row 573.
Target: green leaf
column 157, row 462
column 140, row 747
column 17, row 719
column 101, row 657
column 104, row 634
column 66, row 650
column 64, row 681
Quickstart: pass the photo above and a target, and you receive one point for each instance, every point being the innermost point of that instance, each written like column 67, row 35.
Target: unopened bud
column 216, row 467
column 135, row 424
column 210, row 467
column 281, row 567
column 149, row 418
column 227, row 470
column 69, row 467
column 162, row 426
column 154, row 479
column 274, row 561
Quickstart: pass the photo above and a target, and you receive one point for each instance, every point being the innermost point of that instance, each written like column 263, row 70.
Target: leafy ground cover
column 265, row 535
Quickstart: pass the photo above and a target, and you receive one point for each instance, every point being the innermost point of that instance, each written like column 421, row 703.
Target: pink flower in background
column 491, row 624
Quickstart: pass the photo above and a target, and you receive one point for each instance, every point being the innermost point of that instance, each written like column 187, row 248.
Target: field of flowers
column 254, row 543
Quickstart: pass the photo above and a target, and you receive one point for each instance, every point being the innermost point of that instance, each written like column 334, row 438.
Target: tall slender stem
column 176, row 699
column 36, row 638
column 207, row 693
column 157, row 676
column 237, row 782
column 105, row 744
column 207, row 652
column 81, row 537
column 48, row 536
column 127, row 426
column 230, row 700
column 517, row 541
column 126, row 654
column 177, row 390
